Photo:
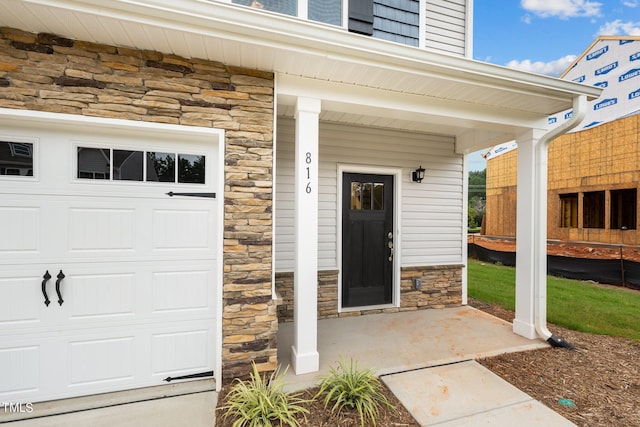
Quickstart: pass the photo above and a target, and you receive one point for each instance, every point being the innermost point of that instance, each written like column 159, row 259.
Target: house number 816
column 308, row 161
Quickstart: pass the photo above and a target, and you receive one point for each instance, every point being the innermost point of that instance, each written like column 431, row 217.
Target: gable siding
column 431, row 211
column 397, row 20
column 446, row 22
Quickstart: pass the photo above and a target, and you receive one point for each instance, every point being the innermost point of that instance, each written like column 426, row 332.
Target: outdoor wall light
column 418, row 174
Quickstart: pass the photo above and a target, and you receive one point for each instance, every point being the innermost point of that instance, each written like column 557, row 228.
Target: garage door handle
column 207, row 195
column 60, row 276
column 46, row 278
column 188, row 377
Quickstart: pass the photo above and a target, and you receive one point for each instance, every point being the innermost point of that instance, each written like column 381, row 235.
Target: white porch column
column 304, row 351
column 465, row 232
column 526, row 226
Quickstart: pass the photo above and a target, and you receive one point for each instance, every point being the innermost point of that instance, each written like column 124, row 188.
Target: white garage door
column 106, row 281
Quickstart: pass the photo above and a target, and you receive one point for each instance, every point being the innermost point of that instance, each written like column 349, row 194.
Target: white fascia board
column 276, row 30
column 378, row 102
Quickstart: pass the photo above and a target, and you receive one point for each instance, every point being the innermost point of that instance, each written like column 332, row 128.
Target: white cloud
column 551, row 68
column 562, row 9
column 631, row 3
column 619, row 28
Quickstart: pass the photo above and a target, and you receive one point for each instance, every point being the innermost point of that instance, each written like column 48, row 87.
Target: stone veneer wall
column 441, row 287
column 45, row 72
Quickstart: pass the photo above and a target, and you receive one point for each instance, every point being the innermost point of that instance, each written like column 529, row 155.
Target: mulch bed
column 320, row 417
column 601, row 378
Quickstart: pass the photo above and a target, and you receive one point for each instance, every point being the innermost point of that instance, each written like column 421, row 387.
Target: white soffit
column 244, row 37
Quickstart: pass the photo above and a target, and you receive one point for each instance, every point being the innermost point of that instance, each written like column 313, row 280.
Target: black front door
column 367, row 239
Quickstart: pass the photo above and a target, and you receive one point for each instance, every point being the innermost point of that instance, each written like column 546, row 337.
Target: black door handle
column 46, row 278
column 60, row 276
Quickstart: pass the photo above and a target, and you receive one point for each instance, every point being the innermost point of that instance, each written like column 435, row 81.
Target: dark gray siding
column 397, row 20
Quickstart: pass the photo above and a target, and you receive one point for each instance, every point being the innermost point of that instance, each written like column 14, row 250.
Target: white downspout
column 540, row 221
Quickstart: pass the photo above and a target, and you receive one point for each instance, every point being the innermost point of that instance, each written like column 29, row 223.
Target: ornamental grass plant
column 349, row 388
column 262, row 402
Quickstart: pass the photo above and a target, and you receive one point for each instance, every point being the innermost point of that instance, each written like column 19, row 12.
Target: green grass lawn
column 573, row 304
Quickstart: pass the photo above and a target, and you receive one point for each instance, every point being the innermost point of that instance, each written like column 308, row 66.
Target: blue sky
column 545, row 36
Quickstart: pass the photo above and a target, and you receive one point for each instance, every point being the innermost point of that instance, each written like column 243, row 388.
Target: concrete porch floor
column 397, row 342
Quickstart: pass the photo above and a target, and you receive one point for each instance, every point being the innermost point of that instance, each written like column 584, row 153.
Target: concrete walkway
column 425, row 357
column 192, row 410
column 467, row 394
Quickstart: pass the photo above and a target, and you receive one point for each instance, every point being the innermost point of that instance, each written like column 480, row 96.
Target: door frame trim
column 397, row 197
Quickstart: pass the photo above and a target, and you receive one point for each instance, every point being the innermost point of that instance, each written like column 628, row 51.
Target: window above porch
column 442, row 25
column 326, row 11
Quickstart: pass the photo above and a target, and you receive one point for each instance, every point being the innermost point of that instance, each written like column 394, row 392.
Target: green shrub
column 350, row 388
column 260, row 402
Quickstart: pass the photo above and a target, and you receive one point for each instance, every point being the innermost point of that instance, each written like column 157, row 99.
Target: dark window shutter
column 361, row 16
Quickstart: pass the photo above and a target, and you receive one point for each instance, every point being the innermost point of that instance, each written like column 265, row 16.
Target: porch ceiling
column 505, row 100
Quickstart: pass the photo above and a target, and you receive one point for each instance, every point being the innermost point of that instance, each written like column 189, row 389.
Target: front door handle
column 390, row 250
column 45, row 278
column 60, row 276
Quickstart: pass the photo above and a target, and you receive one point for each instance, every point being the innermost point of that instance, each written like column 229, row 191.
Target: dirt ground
column 597, row 384
column 569, row 249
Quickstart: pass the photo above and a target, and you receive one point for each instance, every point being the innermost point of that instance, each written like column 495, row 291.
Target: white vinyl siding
column 446, row 24
column 431, row 211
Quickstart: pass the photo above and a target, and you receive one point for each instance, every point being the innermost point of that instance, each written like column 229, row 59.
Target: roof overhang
column 410, row 88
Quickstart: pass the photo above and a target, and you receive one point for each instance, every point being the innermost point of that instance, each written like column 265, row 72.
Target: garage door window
column 128, row 165
column 161, row 167
column 94, row 163
column 148, row 166
column 16, row 158
column 191, row 169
